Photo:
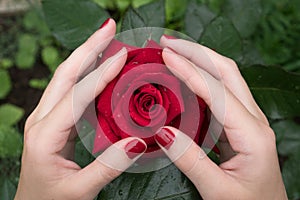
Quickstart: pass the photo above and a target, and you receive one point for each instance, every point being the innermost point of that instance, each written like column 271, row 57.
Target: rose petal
column 104, row 135
column 139, row 112
column 116, row 107
column 113, row 48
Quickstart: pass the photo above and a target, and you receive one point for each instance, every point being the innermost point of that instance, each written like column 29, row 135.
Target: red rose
column 144, row 97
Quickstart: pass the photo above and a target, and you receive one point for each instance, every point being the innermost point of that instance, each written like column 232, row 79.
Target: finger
column 68, row 111
column 220, row 67
column 226, row 108
column 110, row 164
column 208, row 178
column 66, row 75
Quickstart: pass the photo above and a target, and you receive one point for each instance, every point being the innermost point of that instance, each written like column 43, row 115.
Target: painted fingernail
column 104, row 23
column 169, row 36
column 165, row 137
column 134, row 148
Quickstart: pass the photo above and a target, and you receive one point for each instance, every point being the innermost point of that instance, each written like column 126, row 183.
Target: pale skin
column 250, row 169
column 248, row 147
column 48, row 171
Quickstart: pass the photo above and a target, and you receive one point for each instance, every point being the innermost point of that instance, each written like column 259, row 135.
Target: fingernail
column 134, row 148
column 169, row 37
column 165, row 137
column 104, row 23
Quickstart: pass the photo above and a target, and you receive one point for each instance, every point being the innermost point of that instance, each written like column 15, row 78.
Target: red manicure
column 165, row 138
column 105, row 23
column 134, row 148
column 169, row 36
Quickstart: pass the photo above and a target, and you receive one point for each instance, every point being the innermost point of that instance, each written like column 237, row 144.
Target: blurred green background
column 262, row 36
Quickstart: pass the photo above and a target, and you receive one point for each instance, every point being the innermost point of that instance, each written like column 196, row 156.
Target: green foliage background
column 262, row 36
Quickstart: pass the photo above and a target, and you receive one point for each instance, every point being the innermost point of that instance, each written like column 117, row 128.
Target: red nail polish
column 169, row 36
column 134, row 148
column 105, row 23
column 165, row 138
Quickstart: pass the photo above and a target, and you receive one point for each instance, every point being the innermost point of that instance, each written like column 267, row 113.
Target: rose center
column 147, row 103
column 144, row 105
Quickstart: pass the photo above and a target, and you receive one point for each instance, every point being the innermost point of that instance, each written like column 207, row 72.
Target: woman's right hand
column 48, row 169
column 250, row 167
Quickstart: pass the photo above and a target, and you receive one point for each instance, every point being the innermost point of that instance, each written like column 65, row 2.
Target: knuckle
column 29, row 135
column 230, row 62
column 88, row 49
column 268, row 138
column 31, row 142
column 63, row 71
column 229, row 66
column 29, row 122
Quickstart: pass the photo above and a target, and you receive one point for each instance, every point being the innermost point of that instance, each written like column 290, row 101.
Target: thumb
column 208, row 178
column 110, row 164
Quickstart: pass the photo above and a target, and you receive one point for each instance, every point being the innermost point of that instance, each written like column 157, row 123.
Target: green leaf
column 82, row 156
column 40, row 84
column 291, row 174
column 166, row 183
column 10, row 114
column 138, row 3
column 73, row 21
column 175, row 9
column 132, row 20
column 287, row 136
column 251, row 55
column 7, row 189
column 27, row 43
column 27, row 49
column 122, row 4
column 5, row 83
column 84, row 146
column 107, row 4
column 214, row 5
column 245, row 15
column 276, row 91
column 25, row 60
column 197, row 17
column 51, row 58
column 6, row 63
column 222, row 36
column 149, row 15
column 33, row 22
column 10, row 142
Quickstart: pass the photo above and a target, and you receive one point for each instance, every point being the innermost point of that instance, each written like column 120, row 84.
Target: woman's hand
column 48, row 171
column 249, row 168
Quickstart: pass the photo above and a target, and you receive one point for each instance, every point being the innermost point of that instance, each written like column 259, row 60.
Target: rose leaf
column 84, row 144
column 276, row 91
column 291, row 174
column 245, row 15
column 287, row 136
column 197, row 17
column 166, row 183
column 175, row 9
column 223, row 37
column 149, row 15
column 7, row 189
column 73, row 21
